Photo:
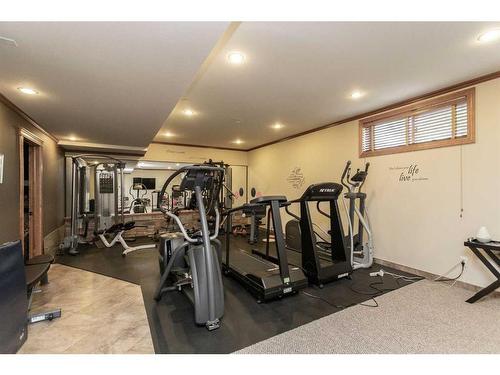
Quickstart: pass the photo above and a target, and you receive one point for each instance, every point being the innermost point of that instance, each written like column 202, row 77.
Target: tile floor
column 99, row 315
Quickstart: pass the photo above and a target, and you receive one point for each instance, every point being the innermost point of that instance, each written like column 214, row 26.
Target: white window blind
column 439, row 122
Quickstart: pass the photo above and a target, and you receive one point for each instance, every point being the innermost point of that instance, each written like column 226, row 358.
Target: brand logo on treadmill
column 327, row 190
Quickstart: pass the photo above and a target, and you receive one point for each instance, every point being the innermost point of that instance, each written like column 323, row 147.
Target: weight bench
column 36, row 271
column 17, row 285
column 118, row 230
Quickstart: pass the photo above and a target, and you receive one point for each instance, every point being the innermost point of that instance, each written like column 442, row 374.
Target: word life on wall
column 296, row 178
column 412, row 173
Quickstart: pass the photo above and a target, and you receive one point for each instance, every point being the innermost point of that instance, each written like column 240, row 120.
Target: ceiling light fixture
column 356, row 94
column 238, row 141
column 28, row 90
column 489, row 36
column 168, row 134
column 189, row 112
column 72, row 138
column 277, row 126
column 235, row 58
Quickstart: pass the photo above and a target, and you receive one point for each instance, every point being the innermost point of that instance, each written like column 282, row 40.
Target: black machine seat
column 323, row 191
column 44, row 259
column 40, row 259
column 35, row 273
column 268, row 199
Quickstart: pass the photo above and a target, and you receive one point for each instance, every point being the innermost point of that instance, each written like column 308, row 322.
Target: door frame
column 36, row 191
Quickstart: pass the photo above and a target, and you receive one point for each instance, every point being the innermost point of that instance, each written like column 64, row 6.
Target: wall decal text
column 411, row 173
column 296, row 178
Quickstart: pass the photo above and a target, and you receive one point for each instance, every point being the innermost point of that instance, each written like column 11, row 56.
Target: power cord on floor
column 373, row 285
column 379, row 291
column 325, row 300
column 442, row 278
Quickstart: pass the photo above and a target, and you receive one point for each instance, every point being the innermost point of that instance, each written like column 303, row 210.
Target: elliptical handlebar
column 367, row 165
column 346, row 173
column 357, row 181
column 176, row 218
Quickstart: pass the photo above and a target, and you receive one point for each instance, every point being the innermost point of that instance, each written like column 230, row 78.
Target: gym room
column 229, row 182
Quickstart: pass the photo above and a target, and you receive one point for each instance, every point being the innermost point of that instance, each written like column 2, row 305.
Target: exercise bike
column 191, row 261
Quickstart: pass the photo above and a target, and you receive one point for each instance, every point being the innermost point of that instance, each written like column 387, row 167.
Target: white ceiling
column 301, row 74
column 117, row 83
column 107, row 83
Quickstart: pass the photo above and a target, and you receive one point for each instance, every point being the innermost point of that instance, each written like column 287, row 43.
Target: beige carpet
column 425, row 317
column 99, row 315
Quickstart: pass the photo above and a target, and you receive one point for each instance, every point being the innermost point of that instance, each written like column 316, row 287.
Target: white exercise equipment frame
column 127, row 249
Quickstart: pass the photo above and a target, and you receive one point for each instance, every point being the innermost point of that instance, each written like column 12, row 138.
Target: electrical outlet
column 464, row 259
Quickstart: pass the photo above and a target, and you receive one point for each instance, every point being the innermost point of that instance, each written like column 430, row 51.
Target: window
column 438, row 122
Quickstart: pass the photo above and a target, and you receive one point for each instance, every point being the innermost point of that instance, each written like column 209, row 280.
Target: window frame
column 417, row 108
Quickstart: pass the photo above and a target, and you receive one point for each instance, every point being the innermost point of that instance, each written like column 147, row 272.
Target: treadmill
column 265, row 279
column 322, row 261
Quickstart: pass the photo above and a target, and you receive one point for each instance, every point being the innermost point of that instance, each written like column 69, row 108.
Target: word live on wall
column 411, row 173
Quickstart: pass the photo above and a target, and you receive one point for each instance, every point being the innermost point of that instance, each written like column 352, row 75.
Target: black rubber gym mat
column 245, row 322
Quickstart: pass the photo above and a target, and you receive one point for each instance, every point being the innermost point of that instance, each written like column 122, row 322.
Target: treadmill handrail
column 287, row 206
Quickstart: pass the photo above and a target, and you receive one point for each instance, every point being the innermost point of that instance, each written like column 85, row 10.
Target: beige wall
column 184, row 154
column 416, row 224
column 163, row 152
column 53, row 177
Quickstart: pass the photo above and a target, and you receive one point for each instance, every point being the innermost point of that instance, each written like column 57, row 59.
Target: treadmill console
column 268, row 199
column 323, row 191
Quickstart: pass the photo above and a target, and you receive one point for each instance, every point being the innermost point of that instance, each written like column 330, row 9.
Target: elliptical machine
column 361, row 253
column 193, row 264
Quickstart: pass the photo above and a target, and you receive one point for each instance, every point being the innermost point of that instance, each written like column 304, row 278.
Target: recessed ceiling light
column 235, row 58
column 168, row 134
column 489, row 36
column 277, row 126
column 188, row 112
column 356, row 94
column 27, row 90
column 238, row 141
column 72, row 138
